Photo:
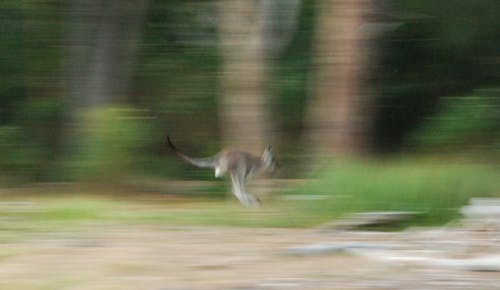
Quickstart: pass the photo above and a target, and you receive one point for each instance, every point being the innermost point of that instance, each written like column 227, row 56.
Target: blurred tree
column 102, row 42
column 338, row 116
column 251, row 34
column 244, row 111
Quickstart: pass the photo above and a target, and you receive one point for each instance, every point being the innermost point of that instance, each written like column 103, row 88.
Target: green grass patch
column 435, row 188
column 58, row 211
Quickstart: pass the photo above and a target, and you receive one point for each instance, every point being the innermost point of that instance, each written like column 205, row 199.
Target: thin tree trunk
column 243, row 105
column 337, row 117
column 252, row 34
column 102, row 39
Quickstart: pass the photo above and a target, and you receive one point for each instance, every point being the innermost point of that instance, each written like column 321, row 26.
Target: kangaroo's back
column 236, row 160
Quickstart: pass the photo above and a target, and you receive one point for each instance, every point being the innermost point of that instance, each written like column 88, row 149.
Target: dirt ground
column 181, row 258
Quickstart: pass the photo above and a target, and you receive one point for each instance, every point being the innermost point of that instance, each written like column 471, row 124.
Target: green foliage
column 178, row 58
column 434, row 188
column 438, row 49
column 19, row 156
column 111, row 142
column 12, row 86
column 42, row 112
column 472, row 119
column 28, row 145
column 292, row 72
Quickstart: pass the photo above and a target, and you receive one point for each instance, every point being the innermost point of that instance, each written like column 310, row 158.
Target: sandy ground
column 181, row 258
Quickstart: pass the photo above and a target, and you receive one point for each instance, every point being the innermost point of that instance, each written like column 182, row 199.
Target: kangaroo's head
column 268, row 159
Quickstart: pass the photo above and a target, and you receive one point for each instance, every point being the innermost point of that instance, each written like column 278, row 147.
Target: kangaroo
column 239, row 165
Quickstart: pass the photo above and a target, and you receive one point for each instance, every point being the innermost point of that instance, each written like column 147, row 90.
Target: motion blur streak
column 383, row 118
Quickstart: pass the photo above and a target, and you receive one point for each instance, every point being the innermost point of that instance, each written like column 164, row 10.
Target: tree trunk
column 101, row 45
column 244, row 112
column 102, row 42
column 252, row 33
column 337, row 116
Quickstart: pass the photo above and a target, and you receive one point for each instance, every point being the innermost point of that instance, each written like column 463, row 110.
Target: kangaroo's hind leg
column 238, row 182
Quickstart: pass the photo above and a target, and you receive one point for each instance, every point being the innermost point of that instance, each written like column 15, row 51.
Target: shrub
column 436, row 189
column 109, row 143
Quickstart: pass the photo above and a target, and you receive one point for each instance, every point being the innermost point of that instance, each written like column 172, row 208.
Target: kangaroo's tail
column 208, row 162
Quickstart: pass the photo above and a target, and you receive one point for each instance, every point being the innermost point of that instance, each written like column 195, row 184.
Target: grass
column 436, row 189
